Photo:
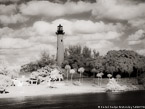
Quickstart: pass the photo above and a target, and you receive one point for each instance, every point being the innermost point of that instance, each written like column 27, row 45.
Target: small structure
column 33, row 81
column 33, row 78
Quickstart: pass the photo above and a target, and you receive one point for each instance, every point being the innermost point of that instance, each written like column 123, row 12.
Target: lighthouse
column 60, row 46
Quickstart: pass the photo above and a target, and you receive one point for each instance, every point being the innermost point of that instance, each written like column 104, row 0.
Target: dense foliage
column 45, row 60
column 126, row 63
column 123, row 62
column 47, row 74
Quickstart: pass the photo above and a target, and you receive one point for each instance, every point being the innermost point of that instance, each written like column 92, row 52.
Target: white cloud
column 51, row 9
column 140, row 34
column 12, row 19
column 6, row 32
column 75, row 31
column 43, row 28
column 118, row 9
column 24, row 33
column 141, row 51
column 79, row 7
column 103, row 46
column 102, row 36
column 139, row 23
column 8, row 9
column 14, row 43
column 43, row 47
column 134, row 42
column 41, row 36
column 4, row 1
column 137, row 38
column 87, row 26
column 33, row 53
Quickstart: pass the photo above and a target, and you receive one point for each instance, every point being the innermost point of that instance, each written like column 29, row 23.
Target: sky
column 28, row 27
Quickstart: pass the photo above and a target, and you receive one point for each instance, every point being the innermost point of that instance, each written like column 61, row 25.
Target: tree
column 99, row 75
column 86, row 52
column 45, row 60
column 67, row 68
column 121, row 61
column 109, row 76
column 139, row 64
column 5, row 81
column 81, row 70
column 94, row 71
column 72, row 72
column 77, row 56
column 95, row 54
column 99, row 61
column 118, row 76
column 4, row 68
column 110, row 63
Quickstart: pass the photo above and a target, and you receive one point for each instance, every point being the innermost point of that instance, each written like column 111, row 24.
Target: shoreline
column 61, row 88
column 28, row 91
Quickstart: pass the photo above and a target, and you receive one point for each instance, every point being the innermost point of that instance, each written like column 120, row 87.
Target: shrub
column 5, row 81
column 141, row 79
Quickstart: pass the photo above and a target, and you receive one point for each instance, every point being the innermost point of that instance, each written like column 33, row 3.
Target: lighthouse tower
column 60, row 47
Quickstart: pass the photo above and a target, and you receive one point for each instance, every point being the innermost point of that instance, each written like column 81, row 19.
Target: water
column 78, row 101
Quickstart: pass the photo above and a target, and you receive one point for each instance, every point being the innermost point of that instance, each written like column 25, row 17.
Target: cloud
column 50, row 9
column 79, row 7
column 24, row 56
column 103, row 46
column 138, row 23
column 41, row 36
column 132, row 42
column 44, row 32
column 8, row 43
column 8, row 9
column 4, row 1
column 9, row 14
column 43, row 28
column 89, row 27
column 105, row 36
column 139, row 35
column 12, row 19
column 24, row 33
column 6, row 32
column 43, row 47
column 141, row 51
column 86, row 27
column 119, row 9
column 137, row 38
column 76, row 32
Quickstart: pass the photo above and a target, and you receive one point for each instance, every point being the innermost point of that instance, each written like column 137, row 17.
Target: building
column 60, row 46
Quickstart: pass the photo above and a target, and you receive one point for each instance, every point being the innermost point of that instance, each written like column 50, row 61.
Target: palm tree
column 81, row 70
column 67, row 68
column 109, row 76
column 94, row 71
column 118, row 76
column 99, row 75
column 72, row 72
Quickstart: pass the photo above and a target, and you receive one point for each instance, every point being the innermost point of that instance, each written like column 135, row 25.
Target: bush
column 52, row 73
column 141, row 79
column 5, row 81
column 114, row 86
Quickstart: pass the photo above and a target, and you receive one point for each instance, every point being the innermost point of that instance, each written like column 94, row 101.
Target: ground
column 87, row 85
